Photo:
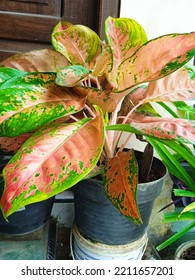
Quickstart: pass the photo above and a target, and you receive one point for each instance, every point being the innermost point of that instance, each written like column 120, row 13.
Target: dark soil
column 188, row 254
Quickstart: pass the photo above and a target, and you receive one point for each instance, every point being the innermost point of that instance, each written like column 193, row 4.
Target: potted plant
column 183, row 188
column 71, row 99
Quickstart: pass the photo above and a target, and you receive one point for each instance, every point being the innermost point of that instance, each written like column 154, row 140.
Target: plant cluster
column 63, row 111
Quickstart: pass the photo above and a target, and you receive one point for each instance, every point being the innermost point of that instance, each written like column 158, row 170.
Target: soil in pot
column 188, row 254
column 186, row 251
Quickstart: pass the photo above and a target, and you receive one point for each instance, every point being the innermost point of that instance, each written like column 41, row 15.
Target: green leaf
column 176, row 216
column 179, row 192
column 189, row 207
column 7, row 73
column 175, row 237
column 71, row 75
column 33, row 100
column 172, row 164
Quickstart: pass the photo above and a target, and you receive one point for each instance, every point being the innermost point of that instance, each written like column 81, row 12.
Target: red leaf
column 121, row 179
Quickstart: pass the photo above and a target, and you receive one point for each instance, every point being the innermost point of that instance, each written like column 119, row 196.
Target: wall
column 160, row 17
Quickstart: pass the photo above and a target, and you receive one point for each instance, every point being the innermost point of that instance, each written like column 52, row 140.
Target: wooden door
column 27, row 25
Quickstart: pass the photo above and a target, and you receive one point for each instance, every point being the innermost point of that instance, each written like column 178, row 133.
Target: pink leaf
column 156, row 59
column 50, row 161
column 177, row 86
column 164, row 128
column 124, row 36
column 45, row 60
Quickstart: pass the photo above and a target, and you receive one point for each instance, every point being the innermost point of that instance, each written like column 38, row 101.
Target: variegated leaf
column 103, row 62
column 44, row 60
column 71, row 75
column 8, row 73
column 51, row 161
column 189, row 207
column 181, row 130
column 177, row 86
column 105, row 99
column 79, row 44
column 156, row 59
column 33, row 100
column 125, row 36
column 8, row 144
column 121, row 179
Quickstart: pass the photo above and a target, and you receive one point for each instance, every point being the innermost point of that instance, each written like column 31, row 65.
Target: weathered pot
column 99, row 220
column 186, row 251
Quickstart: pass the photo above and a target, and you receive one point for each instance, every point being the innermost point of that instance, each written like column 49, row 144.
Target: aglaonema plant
column 60, row 109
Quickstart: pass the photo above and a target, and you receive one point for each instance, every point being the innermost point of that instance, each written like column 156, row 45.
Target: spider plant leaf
column 189, row 207
column 175, row 237
column 172, row 164
column 180, row 192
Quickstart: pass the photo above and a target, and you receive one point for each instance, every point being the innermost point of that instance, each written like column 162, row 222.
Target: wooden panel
column 27, row 27
column 81, row 12
column 45, row 7
column 107, row 8
column 8, row 48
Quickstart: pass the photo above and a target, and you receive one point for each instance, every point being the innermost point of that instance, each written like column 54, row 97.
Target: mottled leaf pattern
column 44, row 60
column 61, row 88
column 155, row 60
column 51, row 161
column 177, row 86
column 124, row 36
column 103, row 62
column 71, row 75
column 163, row 128
column 31, row 101
column 79, row 44
column 8, row 73
column 121, row 178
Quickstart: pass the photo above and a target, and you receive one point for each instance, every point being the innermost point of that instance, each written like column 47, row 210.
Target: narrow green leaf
column 175, row 237
column 172, row 164
column 179, row 192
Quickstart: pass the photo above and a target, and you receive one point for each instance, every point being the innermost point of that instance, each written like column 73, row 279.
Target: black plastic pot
column 99, row 220
column 28, row 219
